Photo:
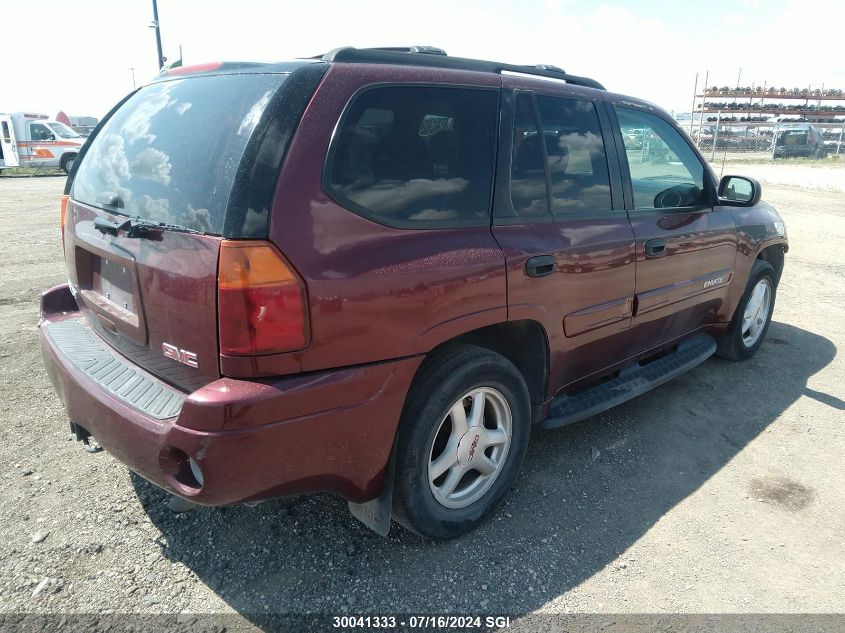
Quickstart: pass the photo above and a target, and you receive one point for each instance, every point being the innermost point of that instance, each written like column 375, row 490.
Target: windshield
column 63, row 130
column 170, row 153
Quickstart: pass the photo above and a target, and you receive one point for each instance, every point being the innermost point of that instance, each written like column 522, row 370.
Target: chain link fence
column 770, row 140
column 773, row 123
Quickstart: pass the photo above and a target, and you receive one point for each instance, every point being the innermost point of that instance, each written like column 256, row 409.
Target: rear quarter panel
column 376, row 292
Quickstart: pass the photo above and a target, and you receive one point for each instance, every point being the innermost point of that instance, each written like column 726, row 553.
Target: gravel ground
column 721, row 491
column 828, row 174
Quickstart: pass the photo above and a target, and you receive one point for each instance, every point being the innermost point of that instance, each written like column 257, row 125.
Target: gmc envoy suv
column 373, row 272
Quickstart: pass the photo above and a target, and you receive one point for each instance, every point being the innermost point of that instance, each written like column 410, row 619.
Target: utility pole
column 155, row 25
column 692, row 111
column 132, row 70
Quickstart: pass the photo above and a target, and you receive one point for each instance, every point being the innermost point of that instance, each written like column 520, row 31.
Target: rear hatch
column 792, row 138
column 198, row 155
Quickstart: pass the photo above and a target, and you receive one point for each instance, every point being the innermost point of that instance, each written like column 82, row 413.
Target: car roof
column 433, row 57
column 419, row 56
column 234, row 68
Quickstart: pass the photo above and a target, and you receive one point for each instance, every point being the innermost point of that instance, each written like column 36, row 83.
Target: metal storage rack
column 770, row 107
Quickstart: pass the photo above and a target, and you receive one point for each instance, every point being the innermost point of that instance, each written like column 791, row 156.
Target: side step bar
column 630, row 383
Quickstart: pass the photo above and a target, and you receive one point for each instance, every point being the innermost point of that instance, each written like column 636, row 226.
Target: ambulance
column 34, row 140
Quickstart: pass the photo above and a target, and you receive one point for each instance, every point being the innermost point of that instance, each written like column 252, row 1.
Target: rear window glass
column 415, row 156
column 577, row 162
column 170, row 153
column 528, row 169
column 794, row 135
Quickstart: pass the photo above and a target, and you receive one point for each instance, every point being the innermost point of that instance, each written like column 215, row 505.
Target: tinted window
column 665, row 172
column 417, row 156
column 577, row 161
column 170, row 153
column 528, row 175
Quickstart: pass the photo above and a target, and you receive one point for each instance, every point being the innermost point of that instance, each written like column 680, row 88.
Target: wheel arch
column 522, row 342
column 774, row 255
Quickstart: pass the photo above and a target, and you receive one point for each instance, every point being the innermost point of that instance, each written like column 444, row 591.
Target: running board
column 631, row 382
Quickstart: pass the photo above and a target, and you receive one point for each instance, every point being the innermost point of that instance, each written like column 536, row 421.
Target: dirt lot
column 722, row 491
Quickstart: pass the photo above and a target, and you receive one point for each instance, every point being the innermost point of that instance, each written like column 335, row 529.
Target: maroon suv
column 371, row 273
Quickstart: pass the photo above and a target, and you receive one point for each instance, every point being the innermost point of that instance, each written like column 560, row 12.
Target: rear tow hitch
column 82, row 435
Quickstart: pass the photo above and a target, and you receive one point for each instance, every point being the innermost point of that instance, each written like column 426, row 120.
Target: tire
column 67, row 162
column 430, row 428
column 737, row 343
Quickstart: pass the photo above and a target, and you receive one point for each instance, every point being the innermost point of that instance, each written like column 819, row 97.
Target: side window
column 39, row 132
column 7, row 136
column 665, row 172
column 528, row 171
column 416, row 156
column 577, row 163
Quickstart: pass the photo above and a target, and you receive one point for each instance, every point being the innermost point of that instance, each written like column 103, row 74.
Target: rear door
column 560, row 220
column 8, row 144
column 685, row 251
column 174, row 152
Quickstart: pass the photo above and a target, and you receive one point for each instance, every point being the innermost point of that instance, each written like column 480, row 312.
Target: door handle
column 540, row 266
column 655, row 248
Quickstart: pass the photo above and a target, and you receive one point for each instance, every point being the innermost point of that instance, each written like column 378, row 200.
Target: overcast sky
column 76, row 55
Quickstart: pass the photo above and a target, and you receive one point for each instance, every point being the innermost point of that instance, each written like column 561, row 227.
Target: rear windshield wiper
column 138, row 227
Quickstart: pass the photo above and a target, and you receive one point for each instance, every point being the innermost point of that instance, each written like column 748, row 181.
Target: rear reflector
column 261, row 303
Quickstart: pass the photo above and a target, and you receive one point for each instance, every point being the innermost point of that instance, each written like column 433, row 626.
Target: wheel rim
column 756, row 312
column 470, row 447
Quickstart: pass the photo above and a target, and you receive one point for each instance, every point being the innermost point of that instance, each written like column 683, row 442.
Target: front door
column 8, row 144
column 685, row 250
column 560, row 220
column 42, row 145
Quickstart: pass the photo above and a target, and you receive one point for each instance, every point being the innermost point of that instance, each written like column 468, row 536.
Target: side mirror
column 739, row 191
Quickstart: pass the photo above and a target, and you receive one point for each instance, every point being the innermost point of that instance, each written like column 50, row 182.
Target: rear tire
column 462, row 438
column 67, row 162
column 752, row 317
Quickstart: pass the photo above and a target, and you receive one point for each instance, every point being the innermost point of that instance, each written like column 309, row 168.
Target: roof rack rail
column 426, row 50
column 437, row 58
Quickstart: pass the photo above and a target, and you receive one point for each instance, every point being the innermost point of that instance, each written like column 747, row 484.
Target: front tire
column 462, row 438
column 753, row 315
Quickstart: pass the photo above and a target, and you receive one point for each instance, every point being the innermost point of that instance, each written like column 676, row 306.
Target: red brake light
column 261, row 302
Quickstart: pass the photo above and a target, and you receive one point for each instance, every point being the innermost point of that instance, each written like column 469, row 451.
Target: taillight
column 261, row 302
column 63, row 216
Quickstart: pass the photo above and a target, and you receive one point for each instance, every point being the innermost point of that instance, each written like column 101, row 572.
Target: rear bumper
column 324, row 432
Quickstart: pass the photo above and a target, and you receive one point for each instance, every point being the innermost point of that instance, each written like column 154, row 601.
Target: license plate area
column 108, row 285
column 112, row 286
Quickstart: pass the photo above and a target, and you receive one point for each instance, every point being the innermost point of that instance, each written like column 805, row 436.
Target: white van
column 34, row 140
